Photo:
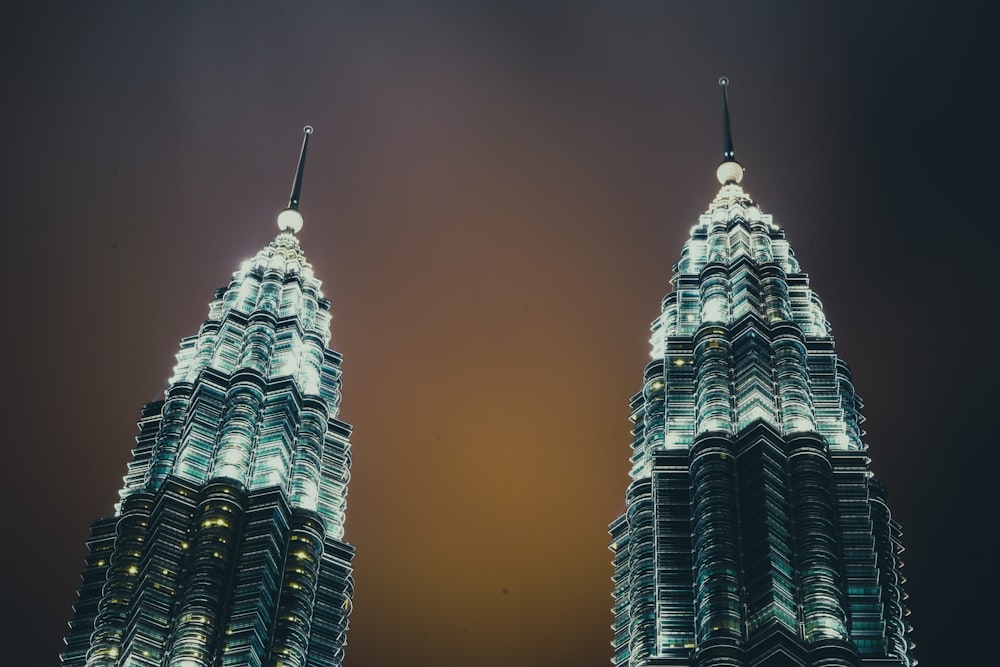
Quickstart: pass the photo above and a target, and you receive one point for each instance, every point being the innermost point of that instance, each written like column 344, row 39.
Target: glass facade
column 754, row 531
column 226, row 547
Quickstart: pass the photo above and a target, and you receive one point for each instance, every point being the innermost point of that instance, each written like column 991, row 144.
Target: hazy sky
column 495, row 196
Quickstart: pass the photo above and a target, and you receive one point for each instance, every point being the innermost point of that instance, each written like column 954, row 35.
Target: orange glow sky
column 495, row 196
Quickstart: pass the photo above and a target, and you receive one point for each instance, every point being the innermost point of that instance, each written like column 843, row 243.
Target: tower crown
column 753, row 525
column 227, row 544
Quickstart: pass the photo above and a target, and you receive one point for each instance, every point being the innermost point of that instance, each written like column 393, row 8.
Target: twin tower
column 754, row 534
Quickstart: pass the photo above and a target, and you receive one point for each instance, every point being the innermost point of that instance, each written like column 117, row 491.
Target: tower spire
column 730, row 171
column 290, row 220
column 728, row 154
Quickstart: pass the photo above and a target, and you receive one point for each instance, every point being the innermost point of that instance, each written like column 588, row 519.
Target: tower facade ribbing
column 226, row 546
column 755, row 533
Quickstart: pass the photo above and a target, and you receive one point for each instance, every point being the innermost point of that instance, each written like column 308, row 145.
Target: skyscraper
column 226, row 546
column 755, row 533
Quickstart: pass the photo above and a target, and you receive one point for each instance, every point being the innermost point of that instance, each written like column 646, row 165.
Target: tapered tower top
column 290, row 220
column 730, row 171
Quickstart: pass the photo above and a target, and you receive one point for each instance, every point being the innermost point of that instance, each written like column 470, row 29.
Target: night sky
column 495, row 195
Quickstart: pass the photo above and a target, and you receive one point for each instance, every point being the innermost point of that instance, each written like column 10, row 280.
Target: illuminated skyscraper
column 754, row 532
column 226, row 547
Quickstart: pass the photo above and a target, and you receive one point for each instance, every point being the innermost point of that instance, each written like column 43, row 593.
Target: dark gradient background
column 495, row 195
